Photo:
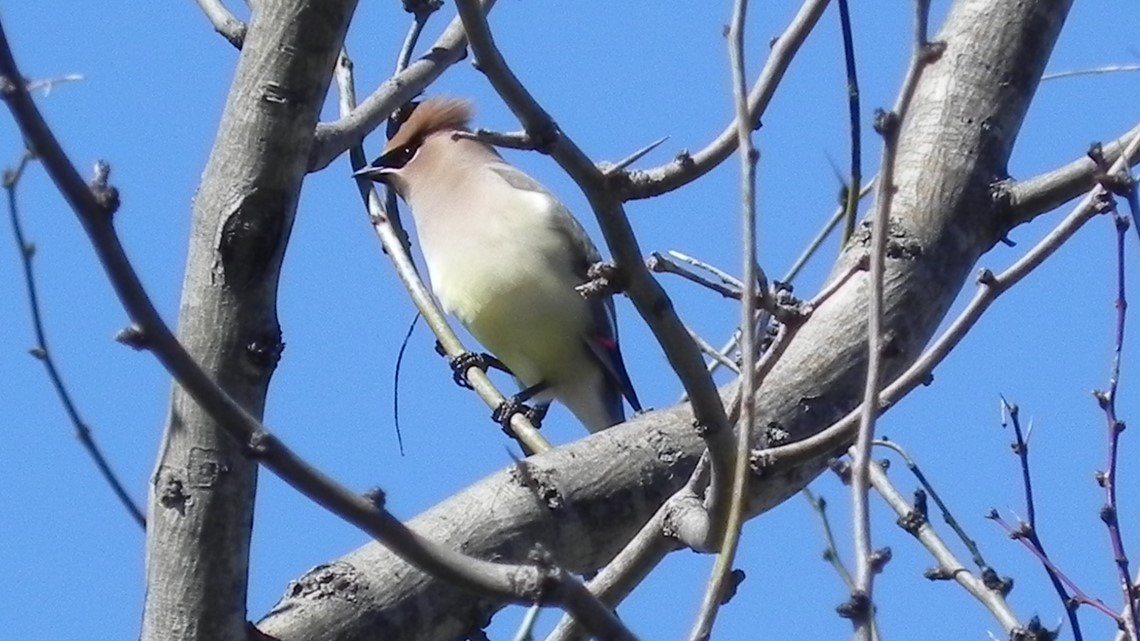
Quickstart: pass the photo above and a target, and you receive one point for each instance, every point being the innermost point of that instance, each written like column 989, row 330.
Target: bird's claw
column 465, row 361
column 537, row 413
column 508, row 408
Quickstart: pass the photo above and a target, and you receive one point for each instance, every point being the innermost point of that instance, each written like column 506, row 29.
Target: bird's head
column 414, row 145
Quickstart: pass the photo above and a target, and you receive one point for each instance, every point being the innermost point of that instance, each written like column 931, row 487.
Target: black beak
column 377, row 174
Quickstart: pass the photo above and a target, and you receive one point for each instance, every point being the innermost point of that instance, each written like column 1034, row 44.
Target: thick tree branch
column 203, row 488
column 1029, row 198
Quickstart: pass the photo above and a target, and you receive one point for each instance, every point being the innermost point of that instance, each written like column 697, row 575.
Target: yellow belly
column 534, row 323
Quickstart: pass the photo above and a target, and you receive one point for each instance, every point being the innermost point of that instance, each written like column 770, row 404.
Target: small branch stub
column 106, row 195
column 133, row 337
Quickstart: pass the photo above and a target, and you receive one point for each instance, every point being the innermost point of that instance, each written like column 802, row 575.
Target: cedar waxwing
column 504, row 256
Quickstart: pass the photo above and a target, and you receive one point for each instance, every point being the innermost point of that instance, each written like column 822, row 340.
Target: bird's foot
column 508, row 408
column 465, row 361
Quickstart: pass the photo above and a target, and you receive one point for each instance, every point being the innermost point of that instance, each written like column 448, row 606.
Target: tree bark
column 583, row 501
column 201, row 500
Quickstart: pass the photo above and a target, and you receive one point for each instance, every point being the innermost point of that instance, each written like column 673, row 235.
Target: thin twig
column 724, row 276
column 947, row 515
column 802, row 260
column 521, row 429
column 1021, row 449
column 917, row 525
column 46, row 85
column 1109, row 513
column 609, row 169
column 686, row 167
column 1079, row 595
column 515, row 583
column 520, row 140
column 526, row 628
column 862, row 602
column 42, row 353
column 662, row 265
column 716, row 589
column 711, row 351
column 1092, row 71
column 830, row 551
column 851, row 192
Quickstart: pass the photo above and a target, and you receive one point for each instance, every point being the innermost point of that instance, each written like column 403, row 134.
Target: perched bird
column 504, row 256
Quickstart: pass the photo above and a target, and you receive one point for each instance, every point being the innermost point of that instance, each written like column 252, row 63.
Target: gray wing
column 602, row 340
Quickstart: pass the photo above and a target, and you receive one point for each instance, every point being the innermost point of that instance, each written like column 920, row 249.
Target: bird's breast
column 511, row 283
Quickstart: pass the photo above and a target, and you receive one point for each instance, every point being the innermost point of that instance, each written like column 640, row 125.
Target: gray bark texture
column 582, row 502
column 201, row 499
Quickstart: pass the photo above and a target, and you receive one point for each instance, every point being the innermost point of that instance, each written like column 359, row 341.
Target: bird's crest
column 430, row 116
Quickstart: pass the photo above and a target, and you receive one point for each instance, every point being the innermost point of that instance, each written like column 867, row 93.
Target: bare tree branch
column 1094, row 71
column 887, row 125
column 1029, row 198
column 42, row 353
column 853, row 188
column 918, row 526
column 717, row 589
column 1021, row 449
column 225, row 23
column 990, row 287
column 686, row 167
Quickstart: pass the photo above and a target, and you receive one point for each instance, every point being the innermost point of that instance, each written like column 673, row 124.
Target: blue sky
column 616, row 79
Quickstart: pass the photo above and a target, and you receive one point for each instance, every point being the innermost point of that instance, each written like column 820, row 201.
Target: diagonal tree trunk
column 201, row 503
column 583, row 501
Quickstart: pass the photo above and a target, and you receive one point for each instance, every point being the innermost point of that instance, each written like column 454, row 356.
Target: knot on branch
column 545, row 137
column 735, row 578
column 857, row 608
column 258, row 444
column 133, row 337
column 421, row 8
column 901, row 245
column 880, row 558
column 912, row 521
column 1000, row 584
column 886, row 123
column 937, row 574
column 106, row 195
column 1033, row 632
column 264, row 351
column 377, row 497
column 931, row 51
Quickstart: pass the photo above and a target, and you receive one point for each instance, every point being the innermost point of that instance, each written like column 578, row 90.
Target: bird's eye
column 398, row 157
